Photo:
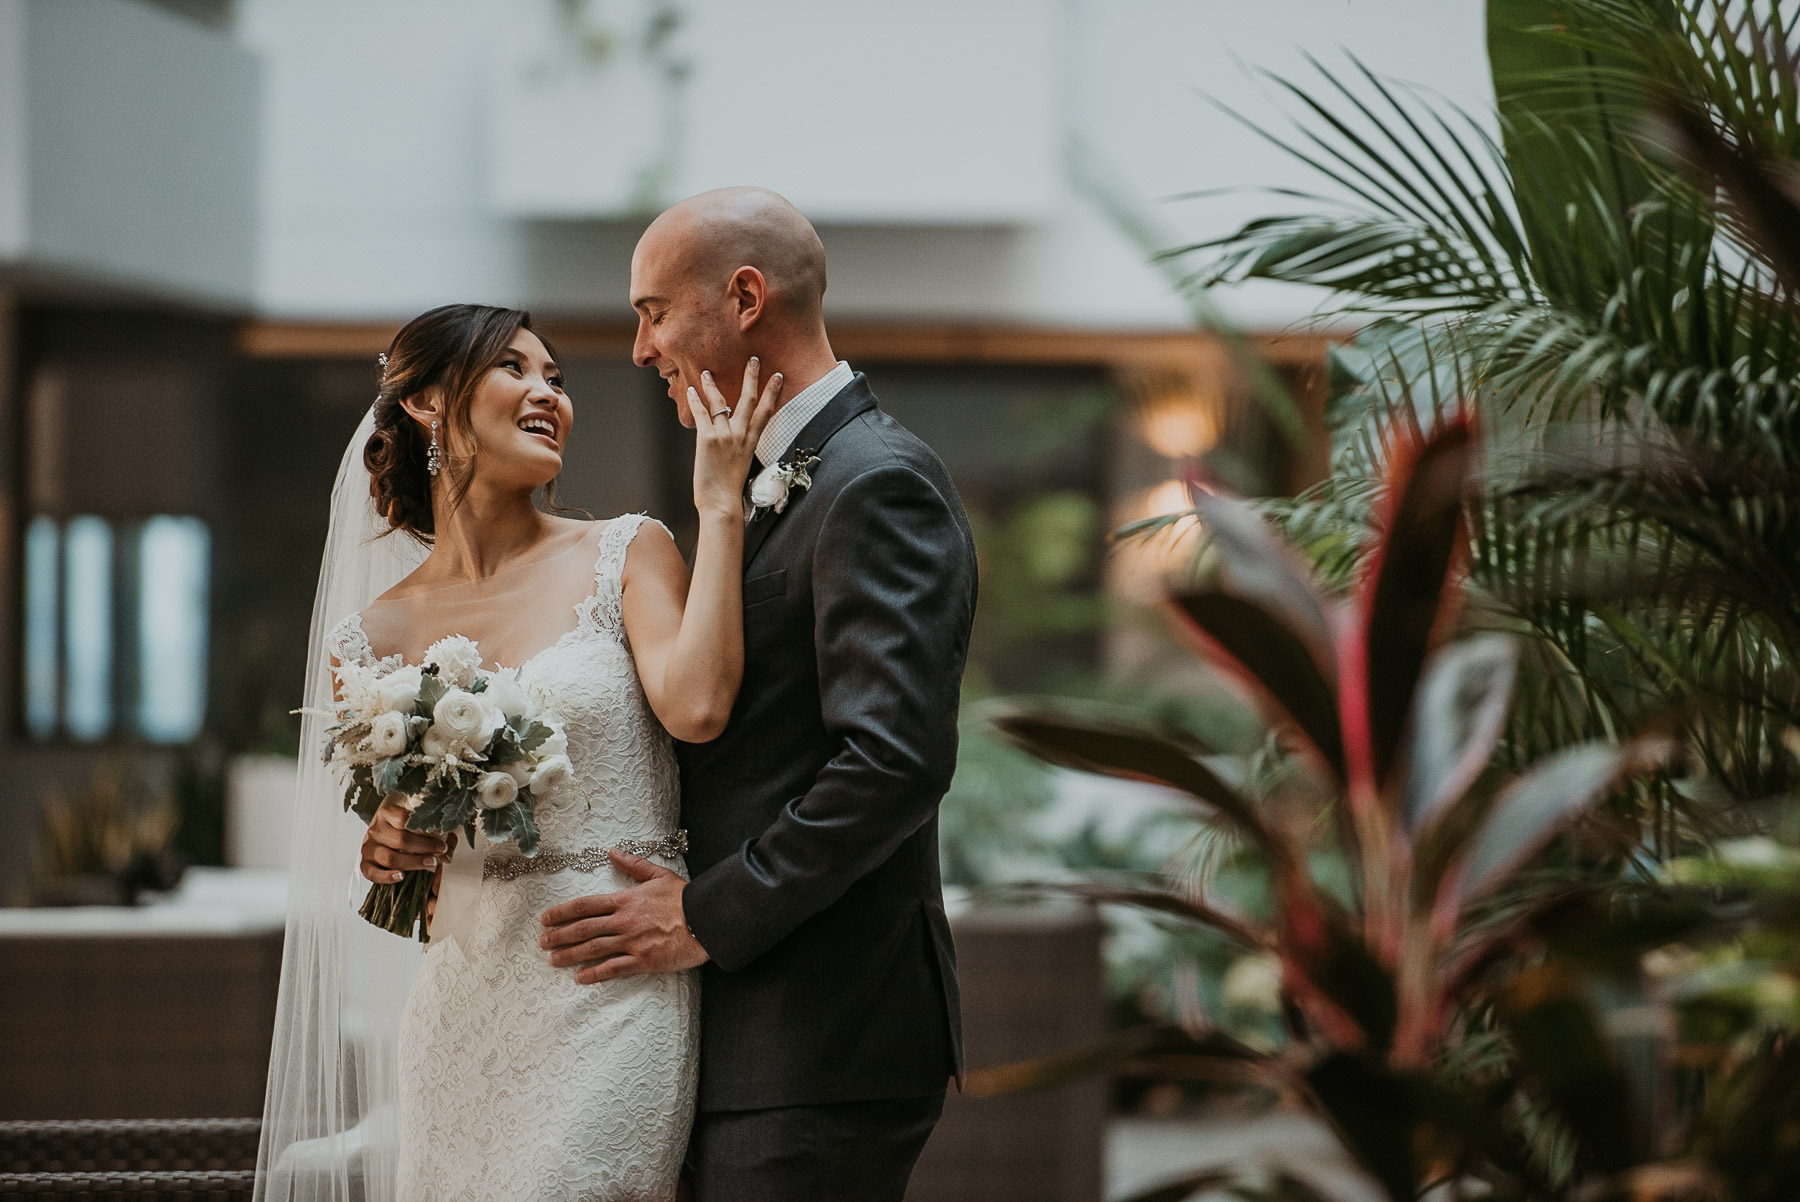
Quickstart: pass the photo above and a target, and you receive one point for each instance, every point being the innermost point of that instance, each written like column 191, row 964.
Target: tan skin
column 686, row 634
column 687, row 320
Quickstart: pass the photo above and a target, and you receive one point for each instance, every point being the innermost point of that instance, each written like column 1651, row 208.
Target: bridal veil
column 330, row 1119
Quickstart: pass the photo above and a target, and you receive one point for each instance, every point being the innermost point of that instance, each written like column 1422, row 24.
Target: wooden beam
column 867, row 341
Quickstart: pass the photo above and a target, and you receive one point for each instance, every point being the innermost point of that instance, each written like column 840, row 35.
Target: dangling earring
column 434, row 457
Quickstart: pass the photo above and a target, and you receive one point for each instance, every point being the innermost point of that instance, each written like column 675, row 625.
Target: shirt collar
column 779, row 435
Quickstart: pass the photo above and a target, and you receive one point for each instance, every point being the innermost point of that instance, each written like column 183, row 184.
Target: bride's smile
column 520, row 418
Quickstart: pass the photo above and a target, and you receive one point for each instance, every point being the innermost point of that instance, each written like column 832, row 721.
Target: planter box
column 101, row 1022
column 1031, row 986
column 136, row 1026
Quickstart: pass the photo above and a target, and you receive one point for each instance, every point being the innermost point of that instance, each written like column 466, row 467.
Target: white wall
column 128, row 138
column 414, row 153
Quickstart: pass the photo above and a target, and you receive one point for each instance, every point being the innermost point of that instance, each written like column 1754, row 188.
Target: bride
column 478, row 1070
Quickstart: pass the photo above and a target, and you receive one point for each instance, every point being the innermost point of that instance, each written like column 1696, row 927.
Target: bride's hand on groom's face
column 726, row 433
column 634, row 931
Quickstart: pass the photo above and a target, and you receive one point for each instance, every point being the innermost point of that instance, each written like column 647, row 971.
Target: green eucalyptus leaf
column 431, row 691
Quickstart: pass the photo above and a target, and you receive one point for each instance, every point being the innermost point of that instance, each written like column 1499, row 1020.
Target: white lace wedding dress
column 516, row 1082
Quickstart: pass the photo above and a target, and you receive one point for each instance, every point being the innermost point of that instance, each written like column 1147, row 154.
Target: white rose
column 399, row 689
column 457, row 659
column 435, row 744
column 496, row 790
column 388, row 737
column 503, row 691
column 356, row 686
column 770, row 489
column 466, row 718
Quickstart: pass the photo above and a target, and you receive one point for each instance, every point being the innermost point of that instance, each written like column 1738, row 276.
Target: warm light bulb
column 1179, row 427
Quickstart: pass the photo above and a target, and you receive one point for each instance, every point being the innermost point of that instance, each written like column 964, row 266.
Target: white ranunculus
column 496, row 790
column 388, row 736
column 551, row 774
column 504, row 691
column 519, row 770
column 356, row 686
column 770, row 489
column 435, row 743
column 457, row 659
column 399, row 689
column 466, row 718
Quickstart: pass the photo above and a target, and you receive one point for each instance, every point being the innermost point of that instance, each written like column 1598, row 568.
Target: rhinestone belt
column 588, row 859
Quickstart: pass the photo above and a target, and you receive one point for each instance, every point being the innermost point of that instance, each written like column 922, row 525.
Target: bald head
column 715, row 233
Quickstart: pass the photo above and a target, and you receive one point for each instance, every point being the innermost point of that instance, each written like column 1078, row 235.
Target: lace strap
column 609, row 571
column 348, row 643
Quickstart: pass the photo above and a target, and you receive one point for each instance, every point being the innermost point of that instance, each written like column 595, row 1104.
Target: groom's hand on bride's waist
column 637, row 930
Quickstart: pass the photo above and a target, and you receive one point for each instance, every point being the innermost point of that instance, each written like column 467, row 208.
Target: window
column 116, row 628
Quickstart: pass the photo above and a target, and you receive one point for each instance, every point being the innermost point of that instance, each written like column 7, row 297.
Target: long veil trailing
column 330, row 1121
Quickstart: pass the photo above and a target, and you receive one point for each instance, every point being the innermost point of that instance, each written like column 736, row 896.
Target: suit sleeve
column 894, row 598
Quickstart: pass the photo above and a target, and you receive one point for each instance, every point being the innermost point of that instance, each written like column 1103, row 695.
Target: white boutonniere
column 770, row 489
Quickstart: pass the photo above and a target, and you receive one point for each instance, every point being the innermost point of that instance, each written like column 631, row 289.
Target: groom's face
column 686, row 323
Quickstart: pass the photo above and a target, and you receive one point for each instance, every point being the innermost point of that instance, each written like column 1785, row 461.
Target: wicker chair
column 188, row 1160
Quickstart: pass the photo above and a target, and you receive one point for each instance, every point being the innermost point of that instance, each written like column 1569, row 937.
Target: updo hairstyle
column 447, row 350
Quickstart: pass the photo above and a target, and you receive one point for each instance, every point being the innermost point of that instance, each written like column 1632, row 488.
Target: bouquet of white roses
column 463, row 744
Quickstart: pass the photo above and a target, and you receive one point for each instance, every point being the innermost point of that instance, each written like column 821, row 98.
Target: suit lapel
column 852, row 400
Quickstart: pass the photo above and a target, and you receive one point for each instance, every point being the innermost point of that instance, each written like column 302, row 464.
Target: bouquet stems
column 400, row 907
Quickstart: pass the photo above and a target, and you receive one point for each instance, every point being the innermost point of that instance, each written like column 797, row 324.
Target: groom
column 829, row 1021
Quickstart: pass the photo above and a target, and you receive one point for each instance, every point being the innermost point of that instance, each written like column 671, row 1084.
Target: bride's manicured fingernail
column 755, row 361
column 693, row 393
column 431, row 861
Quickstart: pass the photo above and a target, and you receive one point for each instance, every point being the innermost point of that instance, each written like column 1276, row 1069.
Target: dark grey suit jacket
column 812, row 821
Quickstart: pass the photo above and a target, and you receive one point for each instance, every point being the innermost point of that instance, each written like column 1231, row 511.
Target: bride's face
column 520, row 417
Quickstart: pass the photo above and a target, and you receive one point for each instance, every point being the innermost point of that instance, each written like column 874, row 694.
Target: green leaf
column 362, row 796
column 533, row 735
column 1409, row 592
column 525, row 828
column 443, row 809
column 1322, row 955
column 1146, row 1043
column 1113, row 749
column 1458, row 718
column 1247, row 639
column 431, row 691
column 1374, row 1113
column 1240, row 930
column 386, row 774
column 1256, row 564
column 1560, row 1043
column 1530, row 811
column 413, row 779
